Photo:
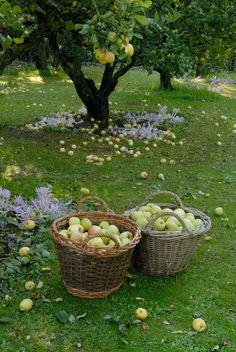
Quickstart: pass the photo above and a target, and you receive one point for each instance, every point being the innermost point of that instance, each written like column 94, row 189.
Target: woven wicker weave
column 90, row 272
column 167, row 253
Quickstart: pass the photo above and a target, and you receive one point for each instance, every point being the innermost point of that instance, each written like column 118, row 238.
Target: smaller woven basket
column 91, row 272
column 167, row 253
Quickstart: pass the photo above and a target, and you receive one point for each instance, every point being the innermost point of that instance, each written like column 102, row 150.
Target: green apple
column 86, row 223
column 93, row 230
column 24, row 251
column 197, row 223
column 171, row 226
column 124, row 242
column 85, row 191
column 190, row 216
column 143, row 175
column 144, row 208
column 147, row 215
column 141, row 221
column 111, row 244
column 104, row 225
column 159, row 225
column 96, row 242
column 29, row 285
column 199, row 325
column 155, row 209
column 168, row 210
column 129, row 50
column 188, row 224
column 219, row 211
column 26, row 305
column 74, row 220
column 113, row 229
column 180, row 212
column 73, row 229
column 111, row 37
column 29, row 224
column 173, row 219
column 63, row 233
column 135, row 215
column 126, row 234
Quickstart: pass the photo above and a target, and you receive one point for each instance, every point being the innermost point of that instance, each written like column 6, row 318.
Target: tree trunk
column 41, row 56
column 200, row 69
column 98, row 108
column 165, row 80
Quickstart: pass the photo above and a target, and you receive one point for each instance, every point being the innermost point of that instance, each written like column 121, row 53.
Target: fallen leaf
column 58, row 300
column 62, row 317
column 46, row 269
column 81, row 316
column 178, row 332
column 139, row 298
column 71, row 318
column 4, row 320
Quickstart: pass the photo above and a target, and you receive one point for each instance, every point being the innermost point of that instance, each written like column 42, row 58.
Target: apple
column 70, row 153
column 126, row 234
column 129, row 50
column 29, row 285
column 219, row 211
column 104, row 225
column 198, row 325
column 111, row 244
column 85, row 191
column 189, row 224
column 135, row 215
column 173, row 219
column 143, row 175
column 111, row 37
column 144, row 208
column 24, row 251
column 86, row 223
column 106, row 240
column 100, row 54
column 147, row 215
column 197, row 223
column 155, row 209
column 159, row 225
column 168, row 210
column 161, row 177
column 62, row 142
column 19, row 40
column 93, row 230
column 141, row 221
column 124, row 242
column 180, row 212
column 63, row 233
column 62, row 150
column 141, row 313
column 96, row 242
column 74, row 229
column 163, row 161
column 190, row 216
column 79, row 236
column 171, row 226
column 113, row 229
column 26, row 305
column 29, row 224
column 73, row 146
column 74, row 220
column 109, row 57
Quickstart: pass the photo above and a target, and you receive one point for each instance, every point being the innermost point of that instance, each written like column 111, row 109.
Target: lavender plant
column 59, row 120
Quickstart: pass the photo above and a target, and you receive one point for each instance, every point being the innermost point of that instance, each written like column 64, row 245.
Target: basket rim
column 88, row 251
column 205, row 226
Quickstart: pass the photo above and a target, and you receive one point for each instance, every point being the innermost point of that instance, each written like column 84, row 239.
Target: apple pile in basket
column 147, row 216
column 80, row 230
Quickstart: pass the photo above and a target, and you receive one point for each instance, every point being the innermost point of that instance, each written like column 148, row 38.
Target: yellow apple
column 29, row 285
column 26, row 305
column 111, row 37
column 24, row 251
column 29, row 224
column 141, row 313
column 129, row 50
column 199, row 325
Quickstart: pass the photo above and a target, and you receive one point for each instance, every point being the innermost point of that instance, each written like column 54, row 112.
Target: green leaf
column 78, row 26
column 85, row 29
column 141, row 19
column 71, row 318
column 16, row 9
column 69, row 25
column 62, row 317
column 145, row 3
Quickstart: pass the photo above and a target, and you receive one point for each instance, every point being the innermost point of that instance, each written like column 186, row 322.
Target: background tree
column 106, row 28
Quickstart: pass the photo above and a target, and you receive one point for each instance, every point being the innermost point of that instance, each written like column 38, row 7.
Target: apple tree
column 110, row 30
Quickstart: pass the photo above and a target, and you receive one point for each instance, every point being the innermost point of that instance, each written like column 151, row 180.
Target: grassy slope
column 206, row 288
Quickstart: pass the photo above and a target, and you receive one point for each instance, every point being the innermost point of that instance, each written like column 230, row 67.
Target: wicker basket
column 167, row 253
column 90, row 272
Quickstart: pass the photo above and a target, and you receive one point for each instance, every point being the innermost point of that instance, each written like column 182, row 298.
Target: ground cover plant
column 202, row 174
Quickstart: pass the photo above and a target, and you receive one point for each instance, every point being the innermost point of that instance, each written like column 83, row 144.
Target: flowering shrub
column 59, row 120
column 149, row 125
column 43, row 207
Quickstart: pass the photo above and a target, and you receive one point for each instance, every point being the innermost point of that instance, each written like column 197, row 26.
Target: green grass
column 206, row 288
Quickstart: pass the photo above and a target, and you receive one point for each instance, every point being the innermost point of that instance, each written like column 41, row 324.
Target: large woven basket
column 167, row 253
column 89, row 272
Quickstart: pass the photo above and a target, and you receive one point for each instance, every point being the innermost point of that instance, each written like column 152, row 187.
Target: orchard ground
column 206, row 289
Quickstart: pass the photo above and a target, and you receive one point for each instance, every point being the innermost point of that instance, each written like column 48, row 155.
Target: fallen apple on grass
column 29, row 285
column 141, row 313
column 199, row 324
column 26, row 305
column 24, row 251
column 29, row 224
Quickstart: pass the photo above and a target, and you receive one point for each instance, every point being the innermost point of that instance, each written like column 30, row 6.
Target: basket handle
column 100, row 201
column 163, row 213
column 166, row 193
column 99, row 234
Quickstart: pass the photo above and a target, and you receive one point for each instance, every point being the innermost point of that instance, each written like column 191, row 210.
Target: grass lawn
column 206, row 289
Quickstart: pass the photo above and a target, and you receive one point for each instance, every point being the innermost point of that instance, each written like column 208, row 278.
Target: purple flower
column 5, row 205
column 21, row 208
